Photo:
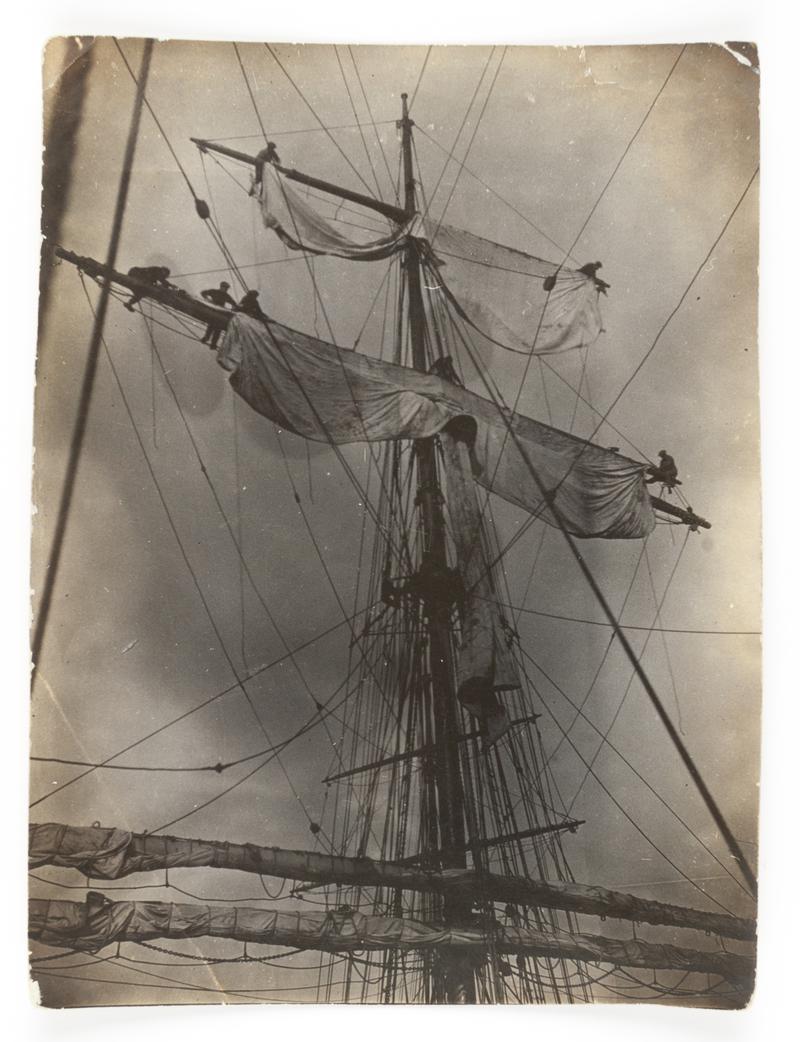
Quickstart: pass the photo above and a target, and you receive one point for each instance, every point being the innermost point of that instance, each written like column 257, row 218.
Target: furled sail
column 110, row 853
column 334, row 395
column 501, row 291
column 99, row 922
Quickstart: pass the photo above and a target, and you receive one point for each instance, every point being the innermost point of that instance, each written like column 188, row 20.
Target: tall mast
column 459, row 983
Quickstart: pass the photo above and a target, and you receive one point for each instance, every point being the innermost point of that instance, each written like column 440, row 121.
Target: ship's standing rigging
column 415, row 781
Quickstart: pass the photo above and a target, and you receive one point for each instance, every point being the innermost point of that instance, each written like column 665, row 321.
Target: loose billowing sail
column 326, row 393
column 300, row 227
column 504, row 294
column 517, row 301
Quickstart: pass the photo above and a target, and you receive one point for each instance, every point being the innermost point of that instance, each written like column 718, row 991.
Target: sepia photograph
column 396, row 550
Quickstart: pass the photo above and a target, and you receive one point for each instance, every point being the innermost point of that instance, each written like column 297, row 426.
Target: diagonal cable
column 313, row 112
column 90, row 369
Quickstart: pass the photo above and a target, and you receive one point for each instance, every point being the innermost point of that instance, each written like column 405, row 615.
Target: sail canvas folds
column 326, row 393
column 99, row 922
column 485, row 662
column 300, row 227
column 110, row 853
column 101, row 852
column 503, row 293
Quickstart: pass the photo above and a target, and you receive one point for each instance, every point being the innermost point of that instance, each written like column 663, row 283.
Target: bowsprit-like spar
column 445, row 878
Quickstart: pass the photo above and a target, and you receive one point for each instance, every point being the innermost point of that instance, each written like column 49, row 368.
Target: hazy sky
column 129, row 646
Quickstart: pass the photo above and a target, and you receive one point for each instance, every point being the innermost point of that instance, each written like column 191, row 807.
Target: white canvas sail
column 300, row 226
column 330, row 394
column 506, row 295
column 503, row 292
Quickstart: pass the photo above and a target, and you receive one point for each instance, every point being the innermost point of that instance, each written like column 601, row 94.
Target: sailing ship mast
column 440, row 868
column 459, row 983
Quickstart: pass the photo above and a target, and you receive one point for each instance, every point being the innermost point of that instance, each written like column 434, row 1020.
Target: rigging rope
column 242, row 560
column 217, row 632
column 315, row 543
column 154, row 425
column 250, row 92
column 631, row 767
column 182, row 986
column 469, row 146
column 311, row 109
column 585, row 223
column 218, row 271
column 383, row 283
column 548, row 497
column 372, row 123
column 270, row 757
column 621, row 159
column 302, row 130
column 664, row 644
column 660, row 332
column 173, row 982
column 658, row 605
column 628, row 625
column 237, row 482
column 233, row 268
column 236, row 543
column 90, row 368
column 218, row 767
column 493, row 191
column 156, row 120
column 675, row 310
column 201, row 206
column 107, row 762
column 419, row 79
column 608, row 792
column 609, row 645
column 355, row 116
column 240, row 682
column 460, row 129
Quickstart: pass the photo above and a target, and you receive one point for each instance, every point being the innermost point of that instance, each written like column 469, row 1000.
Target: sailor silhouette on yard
column 249, row 305
column 222, row 299
column 152, row 276
column 266, row 155
column 664, row 472
column 590, row 270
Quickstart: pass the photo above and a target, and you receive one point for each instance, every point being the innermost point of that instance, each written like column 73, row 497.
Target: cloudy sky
column 130, row 645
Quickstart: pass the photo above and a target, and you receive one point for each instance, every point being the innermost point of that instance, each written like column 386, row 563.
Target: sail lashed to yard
column 516, row 300
column 98, row 922
column 112, row 853
column 334, row 395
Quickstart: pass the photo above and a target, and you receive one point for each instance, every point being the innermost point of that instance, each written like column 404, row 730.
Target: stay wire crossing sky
column 209, row 554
